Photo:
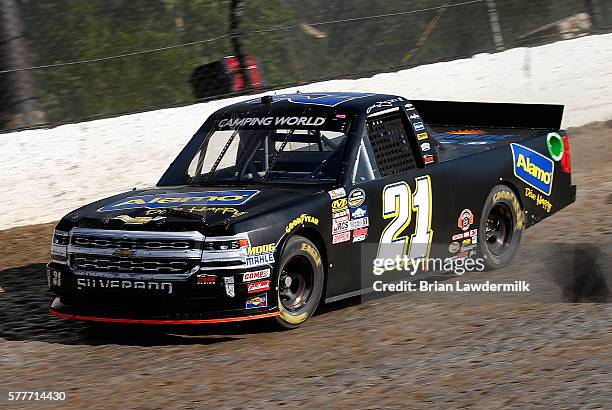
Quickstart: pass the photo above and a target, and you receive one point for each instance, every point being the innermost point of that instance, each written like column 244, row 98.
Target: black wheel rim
column 295, row 283
column 498, row 232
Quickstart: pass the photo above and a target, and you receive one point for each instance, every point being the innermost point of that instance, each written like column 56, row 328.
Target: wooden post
column 20, row 106
column 498, row 37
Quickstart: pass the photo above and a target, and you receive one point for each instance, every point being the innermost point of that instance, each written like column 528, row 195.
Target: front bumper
column 182, row 301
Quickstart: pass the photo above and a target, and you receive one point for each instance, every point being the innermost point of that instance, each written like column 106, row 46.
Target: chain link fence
column 69, row 60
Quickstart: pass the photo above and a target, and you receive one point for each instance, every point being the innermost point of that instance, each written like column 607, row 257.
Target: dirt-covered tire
column 501, row 227
column 299, row 282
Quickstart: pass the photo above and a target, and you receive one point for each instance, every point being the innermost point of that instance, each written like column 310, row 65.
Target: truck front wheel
column 300, row 282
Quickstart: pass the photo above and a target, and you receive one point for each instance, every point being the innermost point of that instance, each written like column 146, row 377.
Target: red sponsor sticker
column 341, row 237
column 466, row 218
column 206, row 279
column 260, row 274
column 360, row 231
column 258, row 286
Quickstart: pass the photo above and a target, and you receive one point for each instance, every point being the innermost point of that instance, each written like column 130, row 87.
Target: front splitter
column 114, row 319
column 163, row 321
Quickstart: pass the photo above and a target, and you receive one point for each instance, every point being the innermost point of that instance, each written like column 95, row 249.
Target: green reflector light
column 555, row 146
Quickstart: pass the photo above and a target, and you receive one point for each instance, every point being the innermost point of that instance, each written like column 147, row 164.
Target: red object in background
column 233, row 67
column 223, row 77
column 566, row 161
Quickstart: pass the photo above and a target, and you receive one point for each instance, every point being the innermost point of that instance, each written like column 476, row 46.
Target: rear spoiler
column 495, row 115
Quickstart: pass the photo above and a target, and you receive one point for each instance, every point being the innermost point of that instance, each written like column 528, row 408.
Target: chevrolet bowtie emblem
column 139, row 220
column 123, row 253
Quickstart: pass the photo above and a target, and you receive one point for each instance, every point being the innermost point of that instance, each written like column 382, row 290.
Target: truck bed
column 456, row 142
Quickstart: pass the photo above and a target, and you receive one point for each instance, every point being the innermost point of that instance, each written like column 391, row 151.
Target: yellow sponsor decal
column 539, row 200
column 312, row 252
column 422, row 136
column 231, row 211
column 256, row 250
column 339, row 205
column 301, row 220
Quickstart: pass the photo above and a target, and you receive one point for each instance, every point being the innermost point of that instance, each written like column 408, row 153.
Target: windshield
column 268, row 155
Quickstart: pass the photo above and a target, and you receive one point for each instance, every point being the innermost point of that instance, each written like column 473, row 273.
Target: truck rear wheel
column 300, row 282
column 501, row 227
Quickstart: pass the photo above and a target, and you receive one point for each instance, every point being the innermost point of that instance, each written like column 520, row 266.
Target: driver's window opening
column 264, row 155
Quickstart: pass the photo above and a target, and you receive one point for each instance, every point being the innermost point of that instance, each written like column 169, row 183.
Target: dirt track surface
column 404, row 351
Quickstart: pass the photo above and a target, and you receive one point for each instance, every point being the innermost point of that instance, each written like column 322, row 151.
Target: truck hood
column 180, row 208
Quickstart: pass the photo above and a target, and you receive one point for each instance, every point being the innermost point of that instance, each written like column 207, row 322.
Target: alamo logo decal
column 174, row 200
column 533, row 168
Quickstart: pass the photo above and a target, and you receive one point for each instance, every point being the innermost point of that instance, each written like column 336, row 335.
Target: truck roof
column 350, row 103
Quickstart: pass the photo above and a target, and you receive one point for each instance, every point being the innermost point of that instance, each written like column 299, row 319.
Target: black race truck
column 267, row 210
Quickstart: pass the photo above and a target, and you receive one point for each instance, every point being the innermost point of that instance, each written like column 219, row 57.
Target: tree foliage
column 73, row 30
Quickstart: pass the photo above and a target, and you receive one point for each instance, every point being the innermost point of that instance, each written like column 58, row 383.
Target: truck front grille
column 134, row 252
column 116, row 243
column 99, row 263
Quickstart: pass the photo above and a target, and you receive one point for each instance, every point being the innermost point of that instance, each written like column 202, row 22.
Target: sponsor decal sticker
column 258, row 301
column 339, row 226
column 237, row 122
column 356, row 197
column 232, row 212
column 415, row 116
column 341, row 214
column 454, row 247
column 360, row 234
column 466, row 218
column 533, row 168
column 256, row 250
column 418, row 126
column 174, row 200
column 254, row 287
column 337, row 193
column 538, row 199
column 359, row 212
column 260, row 259
column 468, row 234
column 428, row 159
column 341, row 237
column 422, row 136
column 256, row 275
column 301, row 220
column 206, row 279
column 229, row 286
column 425, row 146
column 359, row 223
column 339, row 205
